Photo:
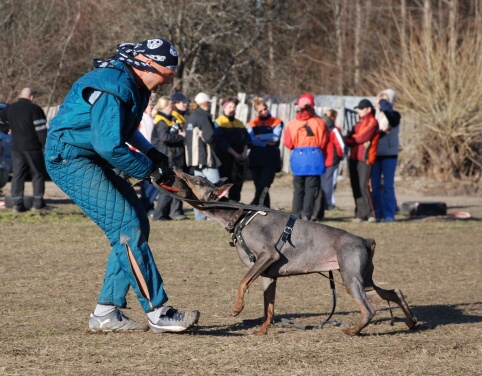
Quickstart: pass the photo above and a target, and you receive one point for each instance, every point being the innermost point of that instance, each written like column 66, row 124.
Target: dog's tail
column 370, row 245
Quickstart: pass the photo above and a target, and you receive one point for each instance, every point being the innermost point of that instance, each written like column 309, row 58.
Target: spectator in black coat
column 28, row 127
column 168, row 137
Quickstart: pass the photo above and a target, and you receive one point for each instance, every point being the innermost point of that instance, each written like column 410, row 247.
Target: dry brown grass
column 52, row 267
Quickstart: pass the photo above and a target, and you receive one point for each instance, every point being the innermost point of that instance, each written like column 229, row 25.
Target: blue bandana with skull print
column 159, row 50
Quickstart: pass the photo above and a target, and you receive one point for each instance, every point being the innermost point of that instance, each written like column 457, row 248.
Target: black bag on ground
column 422, row 209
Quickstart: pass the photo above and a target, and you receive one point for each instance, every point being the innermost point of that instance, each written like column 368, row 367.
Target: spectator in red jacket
column 334, row 154
column 307, row 136
column 363, row 140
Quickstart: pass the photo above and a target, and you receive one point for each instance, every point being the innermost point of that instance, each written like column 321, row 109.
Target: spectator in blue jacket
column 383, row 171
column 85, row 151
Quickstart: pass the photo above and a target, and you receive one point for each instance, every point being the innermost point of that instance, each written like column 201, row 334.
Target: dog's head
column 202, row 188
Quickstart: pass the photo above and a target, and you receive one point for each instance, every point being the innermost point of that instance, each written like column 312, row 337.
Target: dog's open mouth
column 178, row 181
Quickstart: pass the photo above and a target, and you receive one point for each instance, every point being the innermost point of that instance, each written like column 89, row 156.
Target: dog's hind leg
column 265, row 257
column 355, row 288
column 397, row 297
column 269, row 292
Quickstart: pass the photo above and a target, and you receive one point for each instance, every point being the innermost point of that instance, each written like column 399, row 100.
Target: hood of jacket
column 392, row 96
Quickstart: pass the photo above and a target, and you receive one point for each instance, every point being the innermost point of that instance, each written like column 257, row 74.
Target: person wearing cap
column 363, row 141
column 85, row 154
column 201, row 157
column 307, row 136
column 168, row 138
column 232, row 144
column 264, row 158
column 180, row 108
column 383, row 171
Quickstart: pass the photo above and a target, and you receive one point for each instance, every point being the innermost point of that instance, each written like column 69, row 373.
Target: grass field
column 52, row 266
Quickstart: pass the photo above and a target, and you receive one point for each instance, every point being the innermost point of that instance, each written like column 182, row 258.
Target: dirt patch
column 53, row 263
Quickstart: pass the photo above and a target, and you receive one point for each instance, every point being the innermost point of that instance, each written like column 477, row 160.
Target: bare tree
column 443, row 121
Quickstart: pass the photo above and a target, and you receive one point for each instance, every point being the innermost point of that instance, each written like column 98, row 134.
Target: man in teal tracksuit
column 85, row 151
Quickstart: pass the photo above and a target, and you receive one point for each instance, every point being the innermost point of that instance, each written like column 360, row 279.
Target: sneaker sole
column 191, row 318
column 117, row 330
column 97, row 330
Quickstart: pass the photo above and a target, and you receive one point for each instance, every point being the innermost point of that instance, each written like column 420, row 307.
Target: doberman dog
column 311, row 248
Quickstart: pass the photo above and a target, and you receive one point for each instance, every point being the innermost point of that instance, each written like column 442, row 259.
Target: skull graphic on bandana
column 154, row 43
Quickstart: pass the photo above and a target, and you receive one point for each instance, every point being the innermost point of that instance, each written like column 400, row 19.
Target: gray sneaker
column 115, row 321
column 172, row 320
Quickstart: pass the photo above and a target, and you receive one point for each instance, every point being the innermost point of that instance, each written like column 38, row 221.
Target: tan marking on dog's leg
column 262, row 263
column 366, row 309
column 269, row 293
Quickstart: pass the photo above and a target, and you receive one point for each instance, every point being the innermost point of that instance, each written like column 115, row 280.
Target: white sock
column 102, row 310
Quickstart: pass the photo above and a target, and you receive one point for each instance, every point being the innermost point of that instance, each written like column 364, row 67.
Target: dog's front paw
column 350, row 331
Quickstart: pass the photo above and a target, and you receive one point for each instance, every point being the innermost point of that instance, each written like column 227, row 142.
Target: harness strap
column 286, row 233
column 236, row 236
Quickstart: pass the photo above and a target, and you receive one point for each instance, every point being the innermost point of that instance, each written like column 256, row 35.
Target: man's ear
column 223, row 191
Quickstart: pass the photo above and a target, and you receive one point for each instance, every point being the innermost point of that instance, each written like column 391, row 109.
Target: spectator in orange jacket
column 363, row 140
column 307, row 136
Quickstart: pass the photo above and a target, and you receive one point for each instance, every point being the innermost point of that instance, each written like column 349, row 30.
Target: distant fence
column 286, row 111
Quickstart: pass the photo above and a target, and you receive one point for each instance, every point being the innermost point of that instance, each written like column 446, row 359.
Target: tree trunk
column 339, row 43
column 358, row 25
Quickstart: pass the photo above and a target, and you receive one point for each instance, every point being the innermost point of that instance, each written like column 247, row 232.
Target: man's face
column 162, row 76
column 230, row 109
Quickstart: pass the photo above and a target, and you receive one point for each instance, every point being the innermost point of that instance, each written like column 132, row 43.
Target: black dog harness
column 244, row 221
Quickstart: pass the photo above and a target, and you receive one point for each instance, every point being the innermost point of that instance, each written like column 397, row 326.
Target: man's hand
column 161, row 174
column 157, row 157
column 164, row 177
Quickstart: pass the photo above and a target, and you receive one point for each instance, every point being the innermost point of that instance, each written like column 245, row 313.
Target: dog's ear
column 223, row 191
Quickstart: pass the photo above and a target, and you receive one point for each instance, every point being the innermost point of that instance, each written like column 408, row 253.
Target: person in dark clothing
column 28, row 127
column 264, row 158
column 180, row 106
column 3, row 118
column 201, row 158
column 232, row 143
column 168, row 138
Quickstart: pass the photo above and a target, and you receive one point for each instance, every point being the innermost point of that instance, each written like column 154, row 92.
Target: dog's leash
column 285, row 323
column 206, row 205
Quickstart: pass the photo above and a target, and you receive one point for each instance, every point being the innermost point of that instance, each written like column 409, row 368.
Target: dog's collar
column 232, row 222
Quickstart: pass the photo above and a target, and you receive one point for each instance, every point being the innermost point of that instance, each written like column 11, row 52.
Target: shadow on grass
column 429, row 317
column 433, row 316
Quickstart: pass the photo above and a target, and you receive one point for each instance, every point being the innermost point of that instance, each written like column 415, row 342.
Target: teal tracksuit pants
column 112, row 203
